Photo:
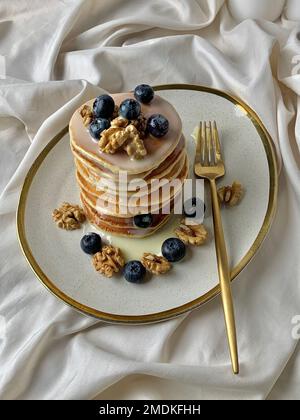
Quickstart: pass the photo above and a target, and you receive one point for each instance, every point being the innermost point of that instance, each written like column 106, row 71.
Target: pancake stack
column 116, row 189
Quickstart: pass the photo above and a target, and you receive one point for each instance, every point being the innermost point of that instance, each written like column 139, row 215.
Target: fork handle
column 224, row 277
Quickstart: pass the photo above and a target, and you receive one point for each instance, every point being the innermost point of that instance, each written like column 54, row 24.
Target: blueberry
column 130, row 109
column 143, row 220
column 194, row 207
column 173, row 249
column 144, row 93
column 134, row 271
column 97, row 126
column 91, row 243
column 158, row 125
column 104, row 106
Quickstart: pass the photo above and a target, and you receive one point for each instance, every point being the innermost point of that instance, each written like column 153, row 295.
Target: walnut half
column 231, row 195
column 192, row 234
column 135, row 147
column 108, row 261
column 155, row 264
column 112, row 139
column 69, row 216
column 140, row 124
column 87, row 115
column 122, row 135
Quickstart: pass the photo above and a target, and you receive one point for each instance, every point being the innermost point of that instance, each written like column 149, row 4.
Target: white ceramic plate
column 55, row 255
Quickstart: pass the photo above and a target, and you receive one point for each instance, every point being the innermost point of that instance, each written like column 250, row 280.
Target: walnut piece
column 122, row 135
column 112, row 139
column 155, row 264
column 69, row 216
column 119, row 122
column 108, row 261
column 193, row 234
column 141, row 125
column 134, row 147
column 116, row 112
column 231, row 195
column 87, row 115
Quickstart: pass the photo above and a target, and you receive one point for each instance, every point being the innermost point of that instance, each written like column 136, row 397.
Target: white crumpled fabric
column 55, row 54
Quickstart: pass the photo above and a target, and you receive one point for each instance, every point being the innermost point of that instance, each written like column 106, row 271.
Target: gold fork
column 209, row 165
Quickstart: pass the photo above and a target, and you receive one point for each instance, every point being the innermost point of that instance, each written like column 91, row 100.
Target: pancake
column 97, row 170
column 151, row 185
column 98, row 185
column 128, row 231
column 148, row 204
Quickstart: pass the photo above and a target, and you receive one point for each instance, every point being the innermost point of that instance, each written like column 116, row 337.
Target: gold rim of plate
column 171, row 313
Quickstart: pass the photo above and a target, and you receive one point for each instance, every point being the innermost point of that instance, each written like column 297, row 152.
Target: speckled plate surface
column 57, row 260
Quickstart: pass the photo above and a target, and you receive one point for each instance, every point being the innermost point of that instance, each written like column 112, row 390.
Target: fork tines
column 208, row 143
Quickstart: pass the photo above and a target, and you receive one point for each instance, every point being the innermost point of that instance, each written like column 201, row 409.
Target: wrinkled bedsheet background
column 60, row 53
